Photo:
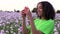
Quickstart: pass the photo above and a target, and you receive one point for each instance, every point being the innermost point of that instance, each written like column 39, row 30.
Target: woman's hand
column 27, row 12
column 23, row 14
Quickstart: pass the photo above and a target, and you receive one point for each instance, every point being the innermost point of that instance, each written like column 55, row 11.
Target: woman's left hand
column 28, row 13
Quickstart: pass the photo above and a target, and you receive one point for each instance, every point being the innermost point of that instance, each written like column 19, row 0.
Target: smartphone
column 25, row 9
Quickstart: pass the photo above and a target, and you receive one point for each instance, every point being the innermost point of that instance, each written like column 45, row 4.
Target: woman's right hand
column 23, row 14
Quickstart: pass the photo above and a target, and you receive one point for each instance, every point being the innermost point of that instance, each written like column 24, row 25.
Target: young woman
column 44, row 24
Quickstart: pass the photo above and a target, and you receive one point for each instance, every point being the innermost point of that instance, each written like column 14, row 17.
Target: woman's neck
column 42, row 18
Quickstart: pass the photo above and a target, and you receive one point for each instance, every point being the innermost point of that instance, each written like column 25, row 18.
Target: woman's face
column 39, row 9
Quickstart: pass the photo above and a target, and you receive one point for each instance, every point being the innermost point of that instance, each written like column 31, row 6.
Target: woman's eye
column 40, row 7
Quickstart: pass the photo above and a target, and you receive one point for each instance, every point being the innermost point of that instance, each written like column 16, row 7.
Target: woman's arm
column 24, row 29
column 34, row 31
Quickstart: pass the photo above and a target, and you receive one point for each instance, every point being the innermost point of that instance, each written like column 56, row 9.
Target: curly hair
column 48, row 10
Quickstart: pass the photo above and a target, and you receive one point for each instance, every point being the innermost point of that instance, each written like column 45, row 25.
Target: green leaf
column 15, row 29
column 1, row 27
column 19, row 23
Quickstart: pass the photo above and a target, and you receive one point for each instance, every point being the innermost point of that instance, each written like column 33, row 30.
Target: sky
column 10, row 5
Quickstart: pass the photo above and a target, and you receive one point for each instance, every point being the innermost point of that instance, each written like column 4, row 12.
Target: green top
column 45, row 26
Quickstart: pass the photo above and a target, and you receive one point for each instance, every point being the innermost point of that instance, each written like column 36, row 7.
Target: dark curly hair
column 48, row 10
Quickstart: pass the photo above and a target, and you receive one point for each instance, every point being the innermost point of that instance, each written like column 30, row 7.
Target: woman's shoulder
column 40, row 20
column 36, row 19
column 50, row 20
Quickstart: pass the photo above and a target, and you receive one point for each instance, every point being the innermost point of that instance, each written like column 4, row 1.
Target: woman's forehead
column 40, row 5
